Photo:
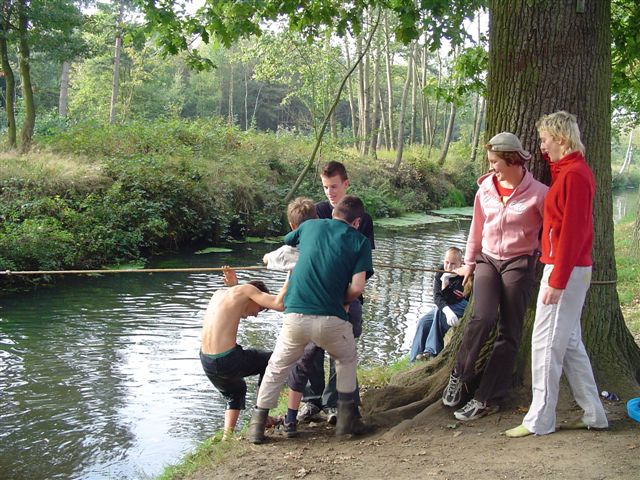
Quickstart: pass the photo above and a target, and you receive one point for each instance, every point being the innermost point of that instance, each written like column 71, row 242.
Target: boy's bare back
column 227, row 307
column 221, row 320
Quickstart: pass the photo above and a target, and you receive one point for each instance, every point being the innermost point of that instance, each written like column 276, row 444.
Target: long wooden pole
column 184, row 270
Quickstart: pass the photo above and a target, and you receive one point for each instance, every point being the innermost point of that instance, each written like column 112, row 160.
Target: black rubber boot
column 348, row 421
column 257, row 425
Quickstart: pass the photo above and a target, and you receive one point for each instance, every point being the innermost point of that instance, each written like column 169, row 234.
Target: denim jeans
column 431, row 329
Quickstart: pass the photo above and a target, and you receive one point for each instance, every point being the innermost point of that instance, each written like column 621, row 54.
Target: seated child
column 450, row 303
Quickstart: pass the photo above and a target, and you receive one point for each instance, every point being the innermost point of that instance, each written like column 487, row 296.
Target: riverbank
column 93, row 195
column 440, row 446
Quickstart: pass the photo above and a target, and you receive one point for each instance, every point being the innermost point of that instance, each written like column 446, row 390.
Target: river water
column 100, row 377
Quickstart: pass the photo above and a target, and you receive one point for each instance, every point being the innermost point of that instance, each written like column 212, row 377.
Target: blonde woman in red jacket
column 567, row 238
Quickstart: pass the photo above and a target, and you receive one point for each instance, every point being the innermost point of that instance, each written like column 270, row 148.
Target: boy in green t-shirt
column 330, row 273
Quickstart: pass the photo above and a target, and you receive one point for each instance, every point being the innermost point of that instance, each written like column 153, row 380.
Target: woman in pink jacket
column 567, row 240
column 502, row 250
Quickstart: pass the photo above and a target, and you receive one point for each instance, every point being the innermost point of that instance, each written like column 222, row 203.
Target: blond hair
column 456, row 251
column 301, row 209
column 562, row 125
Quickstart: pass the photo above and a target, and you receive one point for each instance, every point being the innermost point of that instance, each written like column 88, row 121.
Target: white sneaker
column 332, row 415
column 308, row 412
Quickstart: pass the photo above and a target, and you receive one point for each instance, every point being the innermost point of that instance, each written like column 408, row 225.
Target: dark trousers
column 498, row 284
column 307, row 375
column 227, row 373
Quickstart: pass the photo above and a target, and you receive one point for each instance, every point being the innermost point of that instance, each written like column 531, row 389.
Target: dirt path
column 442, row 448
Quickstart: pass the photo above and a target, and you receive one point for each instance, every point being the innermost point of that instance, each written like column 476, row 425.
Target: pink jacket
column 506, row 231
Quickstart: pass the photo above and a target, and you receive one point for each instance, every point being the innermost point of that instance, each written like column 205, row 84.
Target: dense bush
column 96, row 194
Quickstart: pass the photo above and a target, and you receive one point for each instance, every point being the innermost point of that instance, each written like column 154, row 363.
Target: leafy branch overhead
column 227, row 21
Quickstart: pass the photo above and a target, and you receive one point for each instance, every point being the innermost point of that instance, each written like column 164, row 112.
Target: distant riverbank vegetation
column 92, row 194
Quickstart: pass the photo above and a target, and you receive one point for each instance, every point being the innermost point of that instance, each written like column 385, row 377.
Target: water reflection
column 101, row 377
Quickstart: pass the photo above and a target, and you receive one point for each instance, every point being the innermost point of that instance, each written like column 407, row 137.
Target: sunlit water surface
column 100, row 376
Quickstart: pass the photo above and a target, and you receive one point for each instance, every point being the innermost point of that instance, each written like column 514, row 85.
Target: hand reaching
column 230, row 278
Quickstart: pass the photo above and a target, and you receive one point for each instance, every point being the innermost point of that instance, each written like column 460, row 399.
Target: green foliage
column 39, row 243
column 628, row 274
column 625, row 59
column 102, row 193
column 227, row 21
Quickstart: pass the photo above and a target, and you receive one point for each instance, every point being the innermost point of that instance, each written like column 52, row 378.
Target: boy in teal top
column 324, row 242
column 330, row 273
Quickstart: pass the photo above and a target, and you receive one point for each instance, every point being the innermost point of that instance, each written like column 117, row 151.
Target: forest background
column 114, row 150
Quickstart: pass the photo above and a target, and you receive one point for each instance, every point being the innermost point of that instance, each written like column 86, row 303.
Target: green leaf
column 455, row 211
column 409, row 220
column 214, row 250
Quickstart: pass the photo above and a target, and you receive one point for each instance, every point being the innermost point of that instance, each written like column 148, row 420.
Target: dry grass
column 51, row 171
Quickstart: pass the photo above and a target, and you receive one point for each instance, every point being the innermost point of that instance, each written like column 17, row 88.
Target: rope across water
column 218, row 269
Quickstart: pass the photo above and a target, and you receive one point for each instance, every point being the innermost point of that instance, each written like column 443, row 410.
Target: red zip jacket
column 567, row 229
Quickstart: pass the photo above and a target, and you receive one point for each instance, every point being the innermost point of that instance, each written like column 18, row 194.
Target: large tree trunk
column 10, row 81
column 115, row 84
column 25, row 73
column 575, row 76
column 63, row 100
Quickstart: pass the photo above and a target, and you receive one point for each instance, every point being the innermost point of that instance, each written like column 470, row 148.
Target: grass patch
column 208, row 454
column 628, row 268
column 380, row 375
column 53, row 173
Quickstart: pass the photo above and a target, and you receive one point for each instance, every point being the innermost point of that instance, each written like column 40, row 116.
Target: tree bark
column 575, row 76
column 476, row 135
column 362, row 112
column 63, row 100
column 230, row 113
column 383, row 124
column 628, row 155
column 403, row 109
column 447, row 136
column 635, row 239
column 388, row 65
column 374, row 103
column 352, row 108
column 10, row 81
column 434, row 122
column 25, row 74
column 116, row 65
column 414, row 108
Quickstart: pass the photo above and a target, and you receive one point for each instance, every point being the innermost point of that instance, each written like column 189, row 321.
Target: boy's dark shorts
column 228, row 371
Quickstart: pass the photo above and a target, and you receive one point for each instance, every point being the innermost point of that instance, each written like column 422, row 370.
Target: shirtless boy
column 224, row 361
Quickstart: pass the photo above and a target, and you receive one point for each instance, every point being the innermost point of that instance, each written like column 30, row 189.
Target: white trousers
column 331, row 333
column 556, row 346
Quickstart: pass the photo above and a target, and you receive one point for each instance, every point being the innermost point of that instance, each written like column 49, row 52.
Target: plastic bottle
column 612, row 397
